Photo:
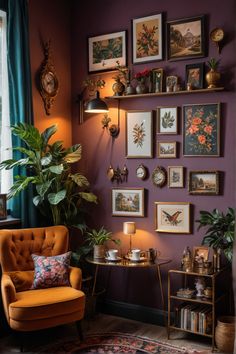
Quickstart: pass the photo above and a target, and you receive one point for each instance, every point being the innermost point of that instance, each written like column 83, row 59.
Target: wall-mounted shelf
column 166, row 93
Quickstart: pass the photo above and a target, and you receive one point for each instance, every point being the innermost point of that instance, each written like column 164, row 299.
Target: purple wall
column 99, row 150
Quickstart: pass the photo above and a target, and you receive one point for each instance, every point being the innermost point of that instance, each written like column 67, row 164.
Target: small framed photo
column 171, row 81
column 127, row 202
column 3, row 206
column 203, row 182
column 157, row 80
column 147, row 39
column 105, row 50
column 175, row 176
column 195, row 75
column 166, row 149
column 167, row 120
column 185, row 38
column 200, row 253
column 172, row 217
column 139, row 134
column 201, row 129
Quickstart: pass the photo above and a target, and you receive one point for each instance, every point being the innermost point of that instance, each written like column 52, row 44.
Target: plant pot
column 212, row 78
column 141, row 88
column 224, row 334
column 99, row 251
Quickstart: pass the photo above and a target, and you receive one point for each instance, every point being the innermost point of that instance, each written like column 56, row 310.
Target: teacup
column 112, row 254
column 135, row 254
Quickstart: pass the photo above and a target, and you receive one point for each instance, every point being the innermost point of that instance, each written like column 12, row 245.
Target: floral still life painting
column 128, row 202
column 201, row 126
column 139, row 134
column 147, row 38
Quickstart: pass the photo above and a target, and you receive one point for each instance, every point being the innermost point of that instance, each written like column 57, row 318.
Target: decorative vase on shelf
column 212, row 78
column 129, row 90
column 118, row 87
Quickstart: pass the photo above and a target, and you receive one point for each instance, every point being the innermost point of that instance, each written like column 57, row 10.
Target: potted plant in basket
column 221, row 230
column 97, row 239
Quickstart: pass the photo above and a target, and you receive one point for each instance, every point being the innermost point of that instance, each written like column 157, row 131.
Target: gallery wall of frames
column 175, row 138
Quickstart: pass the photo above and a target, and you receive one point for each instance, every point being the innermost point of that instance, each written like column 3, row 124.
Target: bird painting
column 172, row 219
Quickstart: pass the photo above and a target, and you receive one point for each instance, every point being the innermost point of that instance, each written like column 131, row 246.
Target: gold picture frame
column 166, row 149
column 172, row 217
column 203, row 182
column 175, row 176
column 157, row 80
column 200, row 252
column 139, row 134
column 167, row 120
column 127, row 202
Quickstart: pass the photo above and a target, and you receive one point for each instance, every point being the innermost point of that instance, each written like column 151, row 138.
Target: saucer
column 118, row 259
column 141, row 259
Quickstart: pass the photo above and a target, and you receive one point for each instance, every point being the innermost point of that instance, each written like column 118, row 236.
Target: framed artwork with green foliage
column 104, row 51
column 167, row 120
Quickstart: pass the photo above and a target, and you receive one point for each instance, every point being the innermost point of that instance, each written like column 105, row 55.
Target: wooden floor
column 103, row 323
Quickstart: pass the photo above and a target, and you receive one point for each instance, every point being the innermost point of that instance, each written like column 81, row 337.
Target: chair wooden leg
column 80, row 331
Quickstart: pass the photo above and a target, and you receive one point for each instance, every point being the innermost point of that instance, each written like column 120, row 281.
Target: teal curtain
column 21, row 108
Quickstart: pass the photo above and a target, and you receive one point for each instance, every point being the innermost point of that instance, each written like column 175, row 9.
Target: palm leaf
column 29, row 134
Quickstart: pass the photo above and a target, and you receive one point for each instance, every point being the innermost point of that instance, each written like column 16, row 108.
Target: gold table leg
column 162, row 294
column 95, row 279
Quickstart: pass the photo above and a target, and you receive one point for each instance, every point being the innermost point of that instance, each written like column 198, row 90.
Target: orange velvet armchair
column 26, row 309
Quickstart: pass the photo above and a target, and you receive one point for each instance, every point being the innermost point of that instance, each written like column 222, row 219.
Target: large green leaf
column 74, row 156
column 46, row 160
column 38, row 200
column 47, row 134
column 57, row 169
column 20, row 185
column 43, row 188
column 29, row 134
column 56, row 198
column 89, row 197
column 11, row 163
column 79, row 179
column 25, row 151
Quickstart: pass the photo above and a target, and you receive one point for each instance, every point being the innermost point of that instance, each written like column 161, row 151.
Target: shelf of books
column 192, row 308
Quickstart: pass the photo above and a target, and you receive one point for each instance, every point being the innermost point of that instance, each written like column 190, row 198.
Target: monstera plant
column 60, row 194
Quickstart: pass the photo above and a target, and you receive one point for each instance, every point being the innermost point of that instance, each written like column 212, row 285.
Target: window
column 5, row 132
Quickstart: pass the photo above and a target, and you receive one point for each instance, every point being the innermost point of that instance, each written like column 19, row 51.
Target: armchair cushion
column 51, row 271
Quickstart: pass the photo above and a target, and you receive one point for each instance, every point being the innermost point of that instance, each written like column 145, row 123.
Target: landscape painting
column 128, row 202
column 203, row 182
column 166, row 150
column 185, row 38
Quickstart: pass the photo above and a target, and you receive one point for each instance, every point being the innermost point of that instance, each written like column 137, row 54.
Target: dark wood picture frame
column 194, row 75
column 185, row 38
column 203, row 182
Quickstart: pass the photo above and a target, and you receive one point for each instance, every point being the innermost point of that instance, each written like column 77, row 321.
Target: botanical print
column 171, row 81
column 201, row 130
column 166, row 149
column 147, row 38
column 203, row 183
column 139, row 134
column 167, row 120
column 127, row 202
column 106, row 50
column 172, row 217
column 185, row 38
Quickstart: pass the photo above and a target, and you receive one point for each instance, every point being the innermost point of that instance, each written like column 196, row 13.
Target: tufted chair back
column 16, row 246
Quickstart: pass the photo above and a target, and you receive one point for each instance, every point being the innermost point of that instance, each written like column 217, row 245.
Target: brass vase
column 212, row 78
column 118, row 88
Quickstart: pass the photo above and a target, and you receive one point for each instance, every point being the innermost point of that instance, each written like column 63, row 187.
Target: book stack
column 194, row 318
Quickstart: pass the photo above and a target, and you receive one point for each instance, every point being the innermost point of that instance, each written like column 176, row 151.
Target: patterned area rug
column 109, row 343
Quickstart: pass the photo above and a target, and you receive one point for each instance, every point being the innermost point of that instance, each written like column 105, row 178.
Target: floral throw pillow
column 51, row 271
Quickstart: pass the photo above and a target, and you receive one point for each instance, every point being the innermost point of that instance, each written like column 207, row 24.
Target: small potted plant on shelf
column 220, row 232
column 142, row 77
column 97, row 239
column 213, row 76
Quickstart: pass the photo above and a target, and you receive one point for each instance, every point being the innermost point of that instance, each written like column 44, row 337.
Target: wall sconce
column 129, row 228
column 96, row 105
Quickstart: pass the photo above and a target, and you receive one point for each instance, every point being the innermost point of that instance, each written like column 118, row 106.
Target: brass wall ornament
column 49, row 84
column 118, row 175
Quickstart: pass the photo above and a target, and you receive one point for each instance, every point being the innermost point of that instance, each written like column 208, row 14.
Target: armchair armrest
column 75, row 277
column 8, row 293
